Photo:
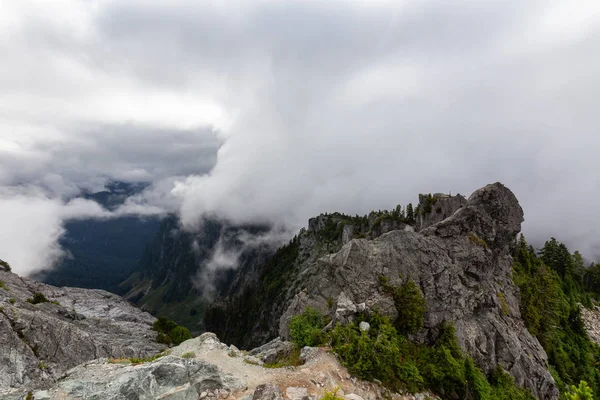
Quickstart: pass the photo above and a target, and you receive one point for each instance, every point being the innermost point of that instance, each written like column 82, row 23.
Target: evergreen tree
column 410, row 214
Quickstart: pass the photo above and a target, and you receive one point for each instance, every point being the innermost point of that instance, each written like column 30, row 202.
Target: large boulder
column 169, row 377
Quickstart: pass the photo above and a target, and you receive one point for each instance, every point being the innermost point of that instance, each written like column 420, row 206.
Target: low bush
column 381, row 353
column 5, row 265
column 410, row 305
column 38, row 298
column 305, row 329
column 189, row 354
column 581, row 392
column 333, row 395
column 169, row 332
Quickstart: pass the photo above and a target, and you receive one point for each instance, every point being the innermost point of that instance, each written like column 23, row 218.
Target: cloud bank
column 275, row 111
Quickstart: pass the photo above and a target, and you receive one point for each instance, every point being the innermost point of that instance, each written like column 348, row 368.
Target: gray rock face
column 462, row 265
column 443, row 207
column 169, row 377
column 267, row 392
column 39, row 342
column 273, row 351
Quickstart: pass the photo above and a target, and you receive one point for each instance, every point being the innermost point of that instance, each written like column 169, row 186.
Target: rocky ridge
column 461, row 263
column 40, row 342
column 205, row 368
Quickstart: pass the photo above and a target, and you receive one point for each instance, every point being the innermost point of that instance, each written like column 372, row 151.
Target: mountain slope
column 461, row 264
column 180, row 272
column 41, row 339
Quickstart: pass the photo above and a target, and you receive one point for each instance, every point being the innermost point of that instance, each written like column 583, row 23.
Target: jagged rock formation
column 461, row 263
column 435, row 208
column 39, row 342
column 202, row 368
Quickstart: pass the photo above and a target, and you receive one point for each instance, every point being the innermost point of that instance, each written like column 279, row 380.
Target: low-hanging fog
column 275, row 111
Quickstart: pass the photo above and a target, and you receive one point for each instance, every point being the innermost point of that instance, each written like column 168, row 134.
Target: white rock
column 295, row 393
column 352, row 396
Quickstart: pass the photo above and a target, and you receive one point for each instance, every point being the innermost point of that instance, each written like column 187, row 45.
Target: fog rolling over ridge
column 269, row 112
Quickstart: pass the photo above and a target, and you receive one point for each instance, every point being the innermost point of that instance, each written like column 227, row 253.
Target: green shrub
column 5, row 265
column 305, row 329
column 410, row 305
column 376, row 354
column 189, row 354
column 38, row 298
column 169, row 332
column 42, row 365
column 381, row 353
column 504, row 388
column 164, row 339
column 164, row 325
column 180, row 334
column 29, row 396
column 12, row 300
column 581, row 392
column 332, row 395
column 3, row 285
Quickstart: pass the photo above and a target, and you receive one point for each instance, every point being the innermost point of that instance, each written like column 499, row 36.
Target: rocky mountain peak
column 492, row 213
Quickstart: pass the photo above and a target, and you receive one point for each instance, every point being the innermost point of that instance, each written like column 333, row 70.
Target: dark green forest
column 554, row 284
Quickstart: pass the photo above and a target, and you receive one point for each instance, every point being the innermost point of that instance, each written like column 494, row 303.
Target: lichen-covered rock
column 267, row 391
column 39, row 342
column 463, row 267
column 442, row 207
column 169, row 377
column 273, row 351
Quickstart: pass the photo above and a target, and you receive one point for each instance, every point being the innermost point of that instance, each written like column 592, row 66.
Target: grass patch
column 135, row 360
column 503, row 305
column 293, row 360
column 12, row 300
column 42, row 365
column 119, row 361
column 189, row 354
column 477, row 240
column 3, row 285
column 332, row 395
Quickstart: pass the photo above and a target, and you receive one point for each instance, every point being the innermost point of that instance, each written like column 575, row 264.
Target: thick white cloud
column 313, row 106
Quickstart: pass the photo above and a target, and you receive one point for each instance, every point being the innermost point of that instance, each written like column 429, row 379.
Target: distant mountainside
column 103, row 253
column 180, row 272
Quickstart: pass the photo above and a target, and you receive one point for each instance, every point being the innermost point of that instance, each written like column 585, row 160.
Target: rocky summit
column 462, row 264
column 45, row 331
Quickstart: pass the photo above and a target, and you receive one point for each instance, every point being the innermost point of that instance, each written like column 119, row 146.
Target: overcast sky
column 280, row 110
